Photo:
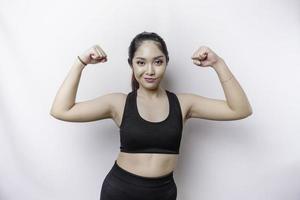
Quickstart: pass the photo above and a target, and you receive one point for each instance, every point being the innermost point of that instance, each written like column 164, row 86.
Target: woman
column 150, row 118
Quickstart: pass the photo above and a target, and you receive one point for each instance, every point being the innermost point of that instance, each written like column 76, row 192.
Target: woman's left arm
column 236, row 105
column 234, row 93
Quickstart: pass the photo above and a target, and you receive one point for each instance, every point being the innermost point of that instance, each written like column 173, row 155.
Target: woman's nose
column 150, row 69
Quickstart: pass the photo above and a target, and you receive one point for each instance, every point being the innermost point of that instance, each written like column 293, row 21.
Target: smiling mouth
column 150, row 79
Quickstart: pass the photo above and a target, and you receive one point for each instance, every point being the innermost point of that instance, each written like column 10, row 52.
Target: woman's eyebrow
column 145, row 59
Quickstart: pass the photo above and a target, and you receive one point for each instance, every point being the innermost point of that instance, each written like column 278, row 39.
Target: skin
column 152, row 101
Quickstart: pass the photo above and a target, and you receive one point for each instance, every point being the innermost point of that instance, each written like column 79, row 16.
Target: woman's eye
column 160, row 61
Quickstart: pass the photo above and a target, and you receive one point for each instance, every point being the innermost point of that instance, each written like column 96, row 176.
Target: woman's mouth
column 150, row 80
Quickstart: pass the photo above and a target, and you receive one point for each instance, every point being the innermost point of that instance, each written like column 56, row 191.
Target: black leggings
column 120, row 184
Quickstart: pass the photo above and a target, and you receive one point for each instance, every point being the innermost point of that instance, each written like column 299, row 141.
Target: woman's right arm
column 64, row 106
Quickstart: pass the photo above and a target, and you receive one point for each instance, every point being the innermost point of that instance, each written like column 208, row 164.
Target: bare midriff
column 147, row 164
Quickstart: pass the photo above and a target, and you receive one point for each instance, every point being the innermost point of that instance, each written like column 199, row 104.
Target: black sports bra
column 138, row 135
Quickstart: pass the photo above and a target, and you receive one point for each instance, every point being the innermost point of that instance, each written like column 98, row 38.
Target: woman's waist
column 147, row 164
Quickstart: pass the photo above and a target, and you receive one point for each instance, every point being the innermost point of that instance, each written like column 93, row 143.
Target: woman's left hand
column 205, row 57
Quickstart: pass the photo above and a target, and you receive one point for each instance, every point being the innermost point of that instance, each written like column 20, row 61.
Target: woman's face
column 149, row 62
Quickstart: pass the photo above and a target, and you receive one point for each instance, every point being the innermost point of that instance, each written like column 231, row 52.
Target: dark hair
column 136, row 43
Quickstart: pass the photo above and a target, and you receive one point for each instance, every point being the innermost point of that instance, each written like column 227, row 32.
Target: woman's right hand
column 94, row 55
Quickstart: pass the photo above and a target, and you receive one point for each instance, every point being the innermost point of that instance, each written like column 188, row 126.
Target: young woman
column 150, row 117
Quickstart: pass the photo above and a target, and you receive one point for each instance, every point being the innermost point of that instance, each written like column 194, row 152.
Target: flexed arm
column 235, row 95
column 236, row 105
column 64, row 106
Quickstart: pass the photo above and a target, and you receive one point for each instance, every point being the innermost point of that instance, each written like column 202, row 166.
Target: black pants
column 120, row 184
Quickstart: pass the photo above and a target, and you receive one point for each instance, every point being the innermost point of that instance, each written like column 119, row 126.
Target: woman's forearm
column 235, row 95
column 66, row 95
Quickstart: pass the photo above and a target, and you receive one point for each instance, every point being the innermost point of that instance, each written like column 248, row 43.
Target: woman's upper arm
column 102, row 107
column 208, row 108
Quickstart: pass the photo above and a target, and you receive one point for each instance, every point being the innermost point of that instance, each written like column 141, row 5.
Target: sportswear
column 138, row 135
column 120, row 184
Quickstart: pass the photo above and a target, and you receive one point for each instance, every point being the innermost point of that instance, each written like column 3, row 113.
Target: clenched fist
column 94, row 55
column 204, row 57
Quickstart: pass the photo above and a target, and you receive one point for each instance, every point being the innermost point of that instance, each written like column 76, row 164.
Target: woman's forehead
column 148, row 51
column 149, row 57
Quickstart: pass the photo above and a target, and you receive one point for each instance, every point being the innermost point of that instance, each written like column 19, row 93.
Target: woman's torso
column 148, row 164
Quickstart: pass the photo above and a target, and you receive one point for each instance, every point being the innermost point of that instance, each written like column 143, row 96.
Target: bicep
column 208, row 108
column 98, row 108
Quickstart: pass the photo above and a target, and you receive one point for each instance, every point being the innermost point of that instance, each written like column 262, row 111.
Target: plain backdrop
column 256, row 158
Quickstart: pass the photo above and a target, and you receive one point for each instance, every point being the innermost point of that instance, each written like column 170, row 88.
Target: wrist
column 82, row 61
column 219, row 63
column 79, row 64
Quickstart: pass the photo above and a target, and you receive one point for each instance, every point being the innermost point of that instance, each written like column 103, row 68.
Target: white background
column 257, row 158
